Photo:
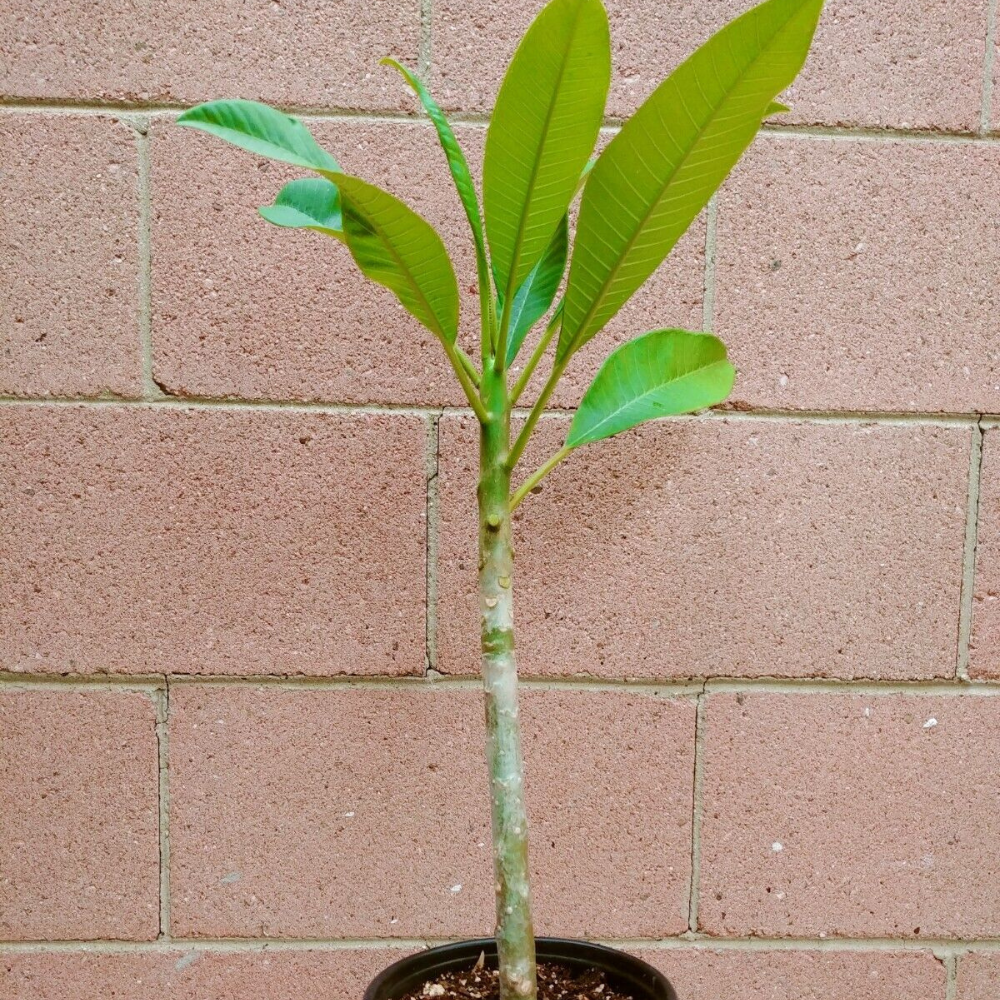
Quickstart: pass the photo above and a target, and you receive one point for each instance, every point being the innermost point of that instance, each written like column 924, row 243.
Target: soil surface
column 555, row 982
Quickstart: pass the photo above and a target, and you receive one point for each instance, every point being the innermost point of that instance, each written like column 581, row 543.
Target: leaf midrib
column 519, row 242
column 635, row 400
column 401, row 264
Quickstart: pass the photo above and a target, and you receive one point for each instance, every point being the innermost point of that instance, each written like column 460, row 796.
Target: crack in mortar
column 431, row 529
column 145, row 318
column 711, row 255
column 970, row 551
column 161, row 390
column 697, row 784
column 162, row 701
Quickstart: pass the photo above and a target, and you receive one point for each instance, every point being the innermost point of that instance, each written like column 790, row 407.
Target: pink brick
column 79, row 856
column 862, row 275
column 978, row 976
column 712, row 547
column 915, row 63
column 289, row 316
column 365, row 822
column 850, row 816
column 899, row 63
column 984, row 645
column 702, row 974
column 321, row 54
column 192, row 974
column 142, row 539
column 69, row 280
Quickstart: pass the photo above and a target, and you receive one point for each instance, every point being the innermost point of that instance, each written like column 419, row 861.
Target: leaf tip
column 409, row 77
column 187, row 117
column 776, row 108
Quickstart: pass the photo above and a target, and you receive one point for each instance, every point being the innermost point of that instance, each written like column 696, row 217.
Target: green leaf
column 308, row 203
column 532, row 300
column 776, row 108
column 659, row 172
column 544, row 127
column 453, row 152
column 660, row 374
column 398, row 249
column 260, row 129
column 582, row 182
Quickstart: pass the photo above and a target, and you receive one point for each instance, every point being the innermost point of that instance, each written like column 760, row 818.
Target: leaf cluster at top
column 639, row 196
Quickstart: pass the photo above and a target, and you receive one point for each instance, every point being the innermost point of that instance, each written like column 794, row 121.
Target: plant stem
column 537, row 476
column 536, row 411
column 463, row 377
column 468, row 365
column 537, row 355
column 500, row 358
column 485, row 288
column 514, row 933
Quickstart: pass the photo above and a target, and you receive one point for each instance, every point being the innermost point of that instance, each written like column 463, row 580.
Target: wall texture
column 240, row 735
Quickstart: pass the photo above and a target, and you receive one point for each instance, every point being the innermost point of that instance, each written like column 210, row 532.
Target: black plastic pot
column 629, row 974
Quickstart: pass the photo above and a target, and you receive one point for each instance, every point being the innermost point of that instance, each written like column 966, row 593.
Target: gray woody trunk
column 515, row 937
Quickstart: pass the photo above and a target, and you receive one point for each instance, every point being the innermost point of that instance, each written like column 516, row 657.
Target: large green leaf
column 659, row 172
column 260, row 129
column 307, row 203
column 660, row 374
column 532, row 300
column 397, row 248
column 544, row 127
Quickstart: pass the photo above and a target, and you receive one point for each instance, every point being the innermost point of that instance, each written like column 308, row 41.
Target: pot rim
column 628, row 972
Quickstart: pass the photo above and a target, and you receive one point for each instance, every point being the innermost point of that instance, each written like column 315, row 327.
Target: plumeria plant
column 637, row 198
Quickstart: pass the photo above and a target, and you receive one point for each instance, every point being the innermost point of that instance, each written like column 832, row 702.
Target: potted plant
column 637, row 199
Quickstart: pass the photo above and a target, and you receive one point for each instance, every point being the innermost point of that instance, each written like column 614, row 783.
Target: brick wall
column 237, row 625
